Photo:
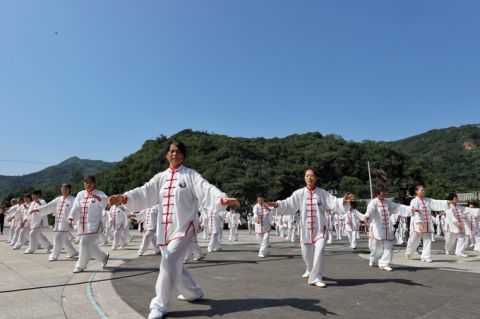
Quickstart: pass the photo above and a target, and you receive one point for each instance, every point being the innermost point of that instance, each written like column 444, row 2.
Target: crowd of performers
column 178, row 203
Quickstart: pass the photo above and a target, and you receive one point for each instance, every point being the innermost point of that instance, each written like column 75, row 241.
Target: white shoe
column 427, row 260
column 155, row 314
column 261, row 256
column 461, row 255
column 140, row 253
column 371, row 264
column 306, row 274
column 182, row 298
column 28, row 252
column 199, row 258
column 447, row 252
column 74, row 255
column 387, row 268
column 52, row 259
column 320, row 284
column 76, row 270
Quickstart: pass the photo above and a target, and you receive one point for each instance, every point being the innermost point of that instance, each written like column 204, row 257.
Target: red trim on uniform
column 168, row 196
column 59, row 214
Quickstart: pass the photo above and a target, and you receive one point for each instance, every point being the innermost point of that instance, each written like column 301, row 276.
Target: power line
column 20, row 161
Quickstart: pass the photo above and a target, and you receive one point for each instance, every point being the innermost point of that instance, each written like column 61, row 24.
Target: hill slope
column 70, row 169
column 452, row 155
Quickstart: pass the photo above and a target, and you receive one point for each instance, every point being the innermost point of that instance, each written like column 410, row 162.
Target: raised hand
column 271, row 204
column 115, row 199
column 349, row 198
column 230, row 201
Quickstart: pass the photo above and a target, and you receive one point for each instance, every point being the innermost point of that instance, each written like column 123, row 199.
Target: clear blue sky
column 96, row 79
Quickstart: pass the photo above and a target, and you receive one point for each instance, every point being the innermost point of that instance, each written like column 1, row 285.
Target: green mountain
column 243, row 167
column 71, row 169
column 450, row 157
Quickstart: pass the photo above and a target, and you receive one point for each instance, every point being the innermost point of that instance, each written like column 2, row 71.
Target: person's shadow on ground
column 228, row 306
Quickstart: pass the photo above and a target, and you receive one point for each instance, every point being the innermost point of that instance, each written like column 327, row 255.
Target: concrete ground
column 238, row 284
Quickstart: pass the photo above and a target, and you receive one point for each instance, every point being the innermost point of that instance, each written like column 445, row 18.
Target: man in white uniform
column 263, row 218
column 87, row 210
column 37, row 224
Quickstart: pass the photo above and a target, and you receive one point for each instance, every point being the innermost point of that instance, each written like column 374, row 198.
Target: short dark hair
column 67, row 186
column 418, row 187
column 37, row 192
column 90, row 177
column 27, row 196
column 177, row 143
column 380, row 190
column 451, row 196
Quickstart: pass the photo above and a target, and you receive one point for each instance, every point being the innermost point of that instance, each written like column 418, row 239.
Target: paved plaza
column 238, row 284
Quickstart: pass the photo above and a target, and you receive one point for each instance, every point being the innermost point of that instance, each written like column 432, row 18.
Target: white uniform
column 233, row 219
column 179, row 192
column 61, row 207
column 455, row 220
column 381, row 229
column 471, row 230
column 339, row 225
column 352, row 222
column 263, row 219
column 312, row 205
column 330, row 222
column 204, row 223
column 37, row 223
column 87, row 211
column 215, row 225
column 118, row 215
column 421, row 225
column 250, row 222
column 149, row 218
column 15, row 220
column 22, row 232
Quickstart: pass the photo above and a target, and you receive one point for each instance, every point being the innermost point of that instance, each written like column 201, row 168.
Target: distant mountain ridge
column 70, row 169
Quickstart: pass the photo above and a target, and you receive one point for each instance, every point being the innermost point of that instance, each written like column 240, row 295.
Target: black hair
column 90, row 177
column 310, row 169
column 380, row 190
column 180, row 145
column 451, row 196
column 37, row 192
column 27, row 196
column 418, row 187
column 67, row 186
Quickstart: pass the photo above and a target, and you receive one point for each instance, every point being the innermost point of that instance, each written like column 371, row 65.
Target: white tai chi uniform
column 471, row 230
column 421, row 225
column 401, row 229
column 118, row 219
column 338, row 218
column 381, row 229
column 352, row 222
column 330, row 222
column 204, row 223
column 263, row 223
column 477, row 234
column 455, row 219
column 179, row 192
column 21, row 234
column 250, row 222
column 37, row 223
column 312, row 205
column 61, row 207
column 233, row 219
column 13, row 213
column 149, row 218
column 87, row 211
column 214, row 223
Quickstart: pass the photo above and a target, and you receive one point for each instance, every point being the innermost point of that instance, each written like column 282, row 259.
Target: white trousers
column 118, row 238
column 36, row 236
column 330, row 237
column 195, row 250
column 450, row 239
column 263, row 241
column 352, row 238
column 314, row 260
column 22, row 237
column 291, row 234
column 61, row 240
column 205, row 232
column 88, row 249
column 11, row 233
column 149, row 237
column 477, row 243
column 174, row 275
column 233, row 234
column 381, row 252
column 214, row 243
column 15, row 235
column 414, row 241
column 338, row 230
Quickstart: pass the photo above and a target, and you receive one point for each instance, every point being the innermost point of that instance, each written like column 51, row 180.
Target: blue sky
column 95, row 79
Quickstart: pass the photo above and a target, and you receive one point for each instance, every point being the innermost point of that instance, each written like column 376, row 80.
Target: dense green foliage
column 449, row 158
column 244, row 167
